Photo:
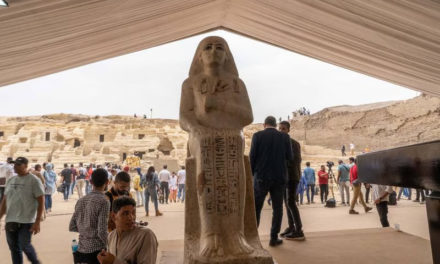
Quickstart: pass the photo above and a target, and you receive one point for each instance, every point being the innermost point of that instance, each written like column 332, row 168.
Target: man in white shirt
column 181, row 178
column 164, row 178
column 6, row 172
column 380, row 195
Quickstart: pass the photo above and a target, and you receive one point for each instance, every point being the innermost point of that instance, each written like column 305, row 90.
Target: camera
column 330, row 164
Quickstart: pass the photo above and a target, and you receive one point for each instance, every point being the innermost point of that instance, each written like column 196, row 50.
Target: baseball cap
column 20, row 160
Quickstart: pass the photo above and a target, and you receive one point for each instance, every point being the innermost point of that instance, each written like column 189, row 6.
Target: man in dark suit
column 269, row 151
column 294, row 231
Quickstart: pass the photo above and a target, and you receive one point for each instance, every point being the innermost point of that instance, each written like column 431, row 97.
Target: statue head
column 213, row 51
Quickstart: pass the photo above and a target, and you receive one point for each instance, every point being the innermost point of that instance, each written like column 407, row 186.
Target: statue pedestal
column 176, row 257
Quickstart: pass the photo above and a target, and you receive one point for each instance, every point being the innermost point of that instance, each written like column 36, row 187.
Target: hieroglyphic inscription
column 233, row 173
column 207, row 168
column 221, row 166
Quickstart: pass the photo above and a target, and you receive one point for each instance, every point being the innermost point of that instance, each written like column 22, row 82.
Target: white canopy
column 394, row 40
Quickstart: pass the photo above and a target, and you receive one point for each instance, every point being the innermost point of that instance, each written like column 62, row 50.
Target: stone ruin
column 69, row 139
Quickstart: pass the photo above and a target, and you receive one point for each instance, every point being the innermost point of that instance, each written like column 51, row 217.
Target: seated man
column 120, row 188
column 129, row 242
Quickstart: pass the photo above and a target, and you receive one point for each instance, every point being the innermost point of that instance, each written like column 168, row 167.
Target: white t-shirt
column 6, row 171
column 351, row 146
column 164, row 175
column 173, row 183
column 379, row 191
column 181, row 177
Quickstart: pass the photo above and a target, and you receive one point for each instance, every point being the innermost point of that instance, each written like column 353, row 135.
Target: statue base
column 176, row 257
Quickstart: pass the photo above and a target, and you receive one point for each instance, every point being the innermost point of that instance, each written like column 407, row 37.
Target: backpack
column 392, row 198
column 330, row 203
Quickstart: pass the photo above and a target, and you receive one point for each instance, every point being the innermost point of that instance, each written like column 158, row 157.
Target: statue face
column 213, row 53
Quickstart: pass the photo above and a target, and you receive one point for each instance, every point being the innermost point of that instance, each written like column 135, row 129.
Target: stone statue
column 220, row 225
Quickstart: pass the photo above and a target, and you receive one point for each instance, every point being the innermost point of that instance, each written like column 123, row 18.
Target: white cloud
column 278, row 82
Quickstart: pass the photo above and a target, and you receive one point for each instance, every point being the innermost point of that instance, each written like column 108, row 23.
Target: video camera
column 330, row 164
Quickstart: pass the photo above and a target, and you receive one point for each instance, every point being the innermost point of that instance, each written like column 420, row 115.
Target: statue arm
column 242, row 105
column 187, row 117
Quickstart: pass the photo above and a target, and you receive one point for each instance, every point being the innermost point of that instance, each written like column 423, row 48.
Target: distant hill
column 374, row 126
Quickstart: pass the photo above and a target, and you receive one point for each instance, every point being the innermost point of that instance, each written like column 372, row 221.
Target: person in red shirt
column 357, row 192
column 323, row 184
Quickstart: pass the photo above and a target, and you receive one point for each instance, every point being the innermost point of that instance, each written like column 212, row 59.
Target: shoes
column 352, row 212
column 158, row 213
column 368, row 209
column 298, row 236
column 342, row 203
column 275, row 242
column 286, row 231
column 416, row 201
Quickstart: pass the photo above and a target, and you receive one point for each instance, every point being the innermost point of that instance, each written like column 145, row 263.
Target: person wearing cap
column 23, row 205
column 6, row 172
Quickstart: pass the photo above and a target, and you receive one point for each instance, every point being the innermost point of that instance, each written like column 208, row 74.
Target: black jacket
column 294, row 166
column 270, row 149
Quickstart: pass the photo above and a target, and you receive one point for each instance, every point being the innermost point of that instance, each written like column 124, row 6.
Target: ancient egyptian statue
column 220, row 224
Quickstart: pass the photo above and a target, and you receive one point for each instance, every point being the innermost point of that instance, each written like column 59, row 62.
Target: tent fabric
column 394, row 40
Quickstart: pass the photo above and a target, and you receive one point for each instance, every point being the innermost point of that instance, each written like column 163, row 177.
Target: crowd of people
column 105, row 208
column 105, row 213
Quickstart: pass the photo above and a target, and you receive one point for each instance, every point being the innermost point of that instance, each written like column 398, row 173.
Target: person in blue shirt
column 302, row 186
column 309, row 174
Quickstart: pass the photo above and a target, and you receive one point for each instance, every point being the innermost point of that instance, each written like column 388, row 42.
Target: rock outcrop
column 373, row 126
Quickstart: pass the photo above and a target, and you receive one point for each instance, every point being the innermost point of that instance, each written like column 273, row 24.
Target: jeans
column 301, row 197
column 276, row 190
column 72, row 186
column 312, row 188
column 66, row 191
column 19, row 241
column 324, row 192
column 88, row 187
column 382, row 209
column 89, row 258
column 147, row 193
column 401, row 191
column 140, row 199
column 345, row 186
column 164, row 187
column 357, row 194
column 293, row 216
column 48, row 201
column 181, row 193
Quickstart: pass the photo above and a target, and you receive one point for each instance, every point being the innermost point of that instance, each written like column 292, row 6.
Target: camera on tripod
column 330, row 164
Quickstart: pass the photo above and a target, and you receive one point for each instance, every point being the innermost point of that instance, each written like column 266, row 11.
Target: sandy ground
column 53, row 243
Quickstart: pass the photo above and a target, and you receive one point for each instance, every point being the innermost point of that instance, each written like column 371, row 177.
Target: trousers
column 19, row 241
column 382, row 209
column 293, row 217
column 276, row 190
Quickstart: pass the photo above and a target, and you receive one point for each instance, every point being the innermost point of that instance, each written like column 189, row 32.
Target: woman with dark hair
column 151, row 184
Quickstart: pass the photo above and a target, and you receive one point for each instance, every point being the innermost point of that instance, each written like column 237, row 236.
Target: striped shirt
column 90, row 221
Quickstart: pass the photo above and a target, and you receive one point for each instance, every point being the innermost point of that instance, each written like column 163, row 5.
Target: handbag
column 61, row 188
